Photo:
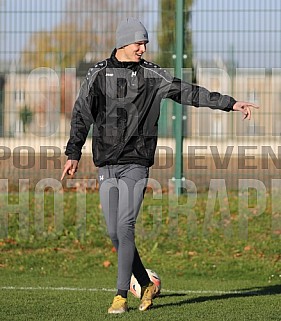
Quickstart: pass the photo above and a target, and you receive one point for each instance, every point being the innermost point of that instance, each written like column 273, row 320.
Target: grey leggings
column 121, row 194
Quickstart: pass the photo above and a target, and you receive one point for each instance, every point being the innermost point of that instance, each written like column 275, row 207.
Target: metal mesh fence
column 48, row 46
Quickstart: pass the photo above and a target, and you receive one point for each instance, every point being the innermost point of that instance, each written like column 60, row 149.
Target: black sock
column 123, row 293
column 139, row 270
column 146, row 285
column 144, row 280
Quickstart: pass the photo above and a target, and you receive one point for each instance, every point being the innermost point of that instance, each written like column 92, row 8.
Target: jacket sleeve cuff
column 73, row 156
column 230, row 104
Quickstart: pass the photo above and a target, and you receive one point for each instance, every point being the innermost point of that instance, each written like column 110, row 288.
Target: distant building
column 45, row 95
column 50, row 97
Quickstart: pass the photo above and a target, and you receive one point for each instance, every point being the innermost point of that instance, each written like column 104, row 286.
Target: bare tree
column 166, row 35
column 87, row 29
column 62, row 47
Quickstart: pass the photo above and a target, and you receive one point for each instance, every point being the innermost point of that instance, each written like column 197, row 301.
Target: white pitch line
column 49, row 288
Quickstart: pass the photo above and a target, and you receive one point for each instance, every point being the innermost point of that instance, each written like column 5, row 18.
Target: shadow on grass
column 250, row 292
column 171, row 295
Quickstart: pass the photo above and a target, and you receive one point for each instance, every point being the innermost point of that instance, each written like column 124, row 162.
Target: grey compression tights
column 121, row 194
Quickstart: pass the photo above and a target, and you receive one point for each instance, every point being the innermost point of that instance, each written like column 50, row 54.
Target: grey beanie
column 129, row 31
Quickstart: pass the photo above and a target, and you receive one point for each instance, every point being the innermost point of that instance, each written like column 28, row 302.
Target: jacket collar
column 123, row 64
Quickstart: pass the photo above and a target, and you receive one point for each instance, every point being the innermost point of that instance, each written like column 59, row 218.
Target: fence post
column 178, row 126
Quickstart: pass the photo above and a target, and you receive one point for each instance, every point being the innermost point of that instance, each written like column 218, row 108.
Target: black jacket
column 122, row 101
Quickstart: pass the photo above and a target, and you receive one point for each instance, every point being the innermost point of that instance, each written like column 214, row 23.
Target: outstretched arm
column 190, row 94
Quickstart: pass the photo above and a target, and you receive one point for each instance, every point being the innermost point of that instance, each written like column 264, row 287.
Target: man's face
column 134, row 51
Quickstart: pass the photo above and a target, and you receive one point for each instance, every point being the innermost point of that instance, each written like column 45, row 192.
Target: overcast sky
column 247, row 30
